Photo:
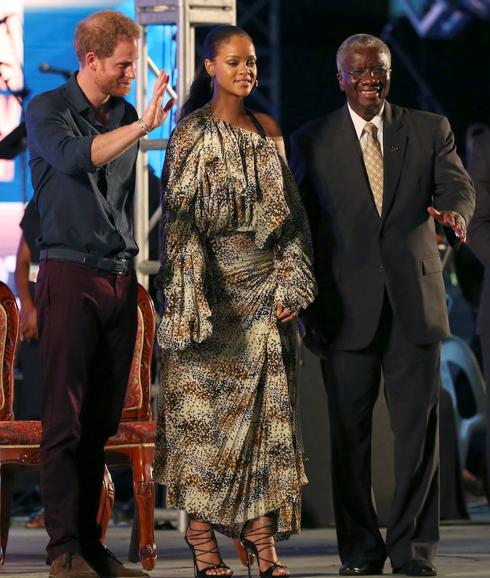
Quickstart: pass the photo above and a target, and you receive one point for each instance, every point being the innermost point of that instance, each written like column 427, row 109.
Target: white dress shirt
column 360, row 123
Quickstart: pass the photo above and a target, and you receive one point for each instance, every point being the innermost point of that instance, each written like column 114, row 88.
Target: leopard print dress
column 236, row 242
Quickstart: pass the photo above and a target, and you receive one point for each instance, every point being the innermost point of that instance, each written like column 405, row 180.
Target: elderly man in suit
column 479, row 239
column 373, row 177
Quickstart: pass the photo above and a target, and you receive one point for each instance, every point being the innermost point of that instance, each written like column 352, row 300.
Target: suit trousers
column 87, row 320
column 411, row 387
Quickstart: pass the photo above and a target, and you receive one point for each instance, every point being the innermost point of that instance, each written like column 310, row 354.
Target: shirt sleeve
column 53, row 135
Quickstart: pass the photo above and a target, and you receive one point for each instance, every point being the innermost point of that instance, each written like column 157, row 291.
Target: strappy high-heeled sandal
column 242, row 552
column 256, row 540
column 198, row 539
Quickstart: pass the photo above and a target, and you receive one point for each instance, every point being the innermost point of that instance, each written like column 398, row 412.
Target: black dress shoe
column 416, row 568
column 361, row 569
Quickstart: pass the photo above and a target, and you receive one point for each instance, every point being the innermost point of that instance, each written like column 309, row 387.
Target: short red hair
column 101, row 31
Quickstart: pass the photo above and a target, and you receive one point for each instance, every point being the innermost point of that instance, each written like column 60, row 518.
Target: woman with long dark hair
column 236, row 271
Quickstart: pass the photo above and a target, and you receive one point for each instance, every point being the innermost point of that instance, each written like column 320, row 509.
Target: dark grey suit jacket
column 359, row 255
column 479, row 229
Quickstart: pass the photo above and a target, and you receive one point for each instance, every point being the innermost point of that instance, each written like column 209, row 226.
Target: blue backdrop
column 48, row 38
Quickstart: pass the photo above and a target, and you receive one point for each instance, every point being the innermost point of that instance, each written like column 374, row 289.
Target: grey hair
column 364, row 40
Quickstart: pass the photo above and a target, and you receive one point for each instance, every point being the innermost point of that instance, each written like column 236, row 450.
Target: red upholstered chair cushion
column 134, row 433
column 20, row 433
column 28, row 433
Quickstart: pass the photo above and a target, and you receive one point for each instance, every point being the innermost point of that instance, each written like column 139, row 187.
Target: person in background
column 28, row 391
column 83, row 141
column 373, row 177
column 236, row 271
column 28, row 401
column 479, row 240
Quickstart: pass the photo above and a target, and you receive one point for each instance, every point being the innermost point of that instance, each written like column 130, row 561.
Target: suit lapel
column 395, row 142
column 340, row 142
column 349, row 149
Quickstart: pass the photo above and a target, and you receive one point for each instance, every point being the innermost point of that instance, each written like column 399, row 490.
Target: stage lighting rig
column 443, row 18
column 480, row 8
column 439, row 19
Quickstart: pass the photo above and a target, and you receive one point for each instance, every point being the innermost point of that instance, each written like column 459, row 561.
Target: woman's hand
column 284, row 315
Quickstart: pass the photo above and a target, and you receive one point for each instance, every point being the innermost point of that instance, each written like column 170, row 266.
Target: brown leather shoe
column 108, row 566
column 70, row 565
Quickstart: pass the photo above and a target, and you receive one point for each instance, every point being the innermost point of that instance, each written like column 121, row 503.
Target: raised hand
column 155, row 114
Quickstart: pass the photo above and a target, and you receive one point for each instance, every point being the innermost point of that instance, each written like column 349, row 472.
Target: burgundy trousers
column 87, row 321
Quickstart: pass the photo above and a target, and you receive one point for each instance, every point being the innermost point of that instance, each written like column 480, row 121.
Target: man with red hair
column 83, row 141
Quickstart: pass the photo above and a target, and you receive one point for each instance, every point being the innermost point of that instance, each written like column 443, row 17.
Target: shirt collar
column 75, row 94
column 360, row 123
column 79, row 101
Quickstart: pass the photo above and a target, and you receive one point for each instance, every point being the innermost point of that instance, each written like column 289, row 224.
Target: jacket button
column 380, row 268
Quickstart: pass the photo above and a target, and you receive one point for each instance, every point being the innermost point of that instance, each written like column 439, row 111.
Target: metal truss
column 186, row 15
column 260, row 18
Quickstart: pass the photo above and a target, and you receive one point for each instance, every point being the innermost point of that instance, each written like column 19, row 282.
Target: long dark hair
column 201, row 88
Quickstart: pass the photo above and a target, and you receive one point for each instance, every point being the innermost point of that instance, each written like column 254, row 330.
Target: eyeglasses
column 376, row 72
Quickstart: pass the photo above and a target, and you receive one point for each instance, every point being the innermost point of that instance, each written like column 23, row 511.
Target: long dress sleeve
column 186, row 318
column 296, row 286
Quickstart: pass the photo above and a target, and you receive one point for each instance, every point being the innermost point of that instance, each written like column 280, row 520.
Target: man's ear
column 91, row 60
column 340, row 80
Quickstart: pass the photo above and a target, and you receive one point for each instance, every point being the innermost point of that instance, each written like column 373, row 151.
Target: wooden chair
column 132, row 445
column 18, row 440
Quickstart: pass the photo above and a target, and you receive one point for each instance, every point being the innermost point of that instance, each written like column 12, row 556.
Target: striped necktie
column 373, row 161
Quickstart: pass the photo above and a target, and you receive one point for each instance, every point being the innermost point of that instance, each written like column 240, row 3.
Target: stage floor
column 464, row 552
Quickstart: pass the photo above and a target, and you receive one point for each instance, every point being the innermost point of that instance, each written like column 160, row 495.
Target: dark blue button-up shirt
column 82, row 207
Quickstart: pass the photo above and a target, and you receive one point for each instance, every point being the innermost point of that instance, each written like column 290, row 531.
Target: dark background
column 456, row 70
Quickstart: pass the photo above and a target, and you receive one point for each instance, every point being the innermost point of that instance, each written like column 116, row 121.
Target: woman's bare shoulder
column 272, row 129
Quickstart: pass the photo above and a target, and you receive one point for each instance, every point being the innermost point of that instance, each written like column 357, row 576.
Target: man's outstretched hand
column 450, row 219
